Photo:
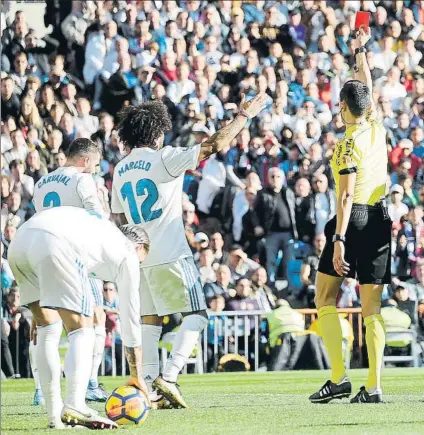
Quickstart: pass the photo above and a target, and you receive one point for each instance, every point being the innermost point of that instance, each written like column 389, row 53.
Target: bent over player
column 51, row 257
column 73, row 185
column 147, row 191
column 358, row 237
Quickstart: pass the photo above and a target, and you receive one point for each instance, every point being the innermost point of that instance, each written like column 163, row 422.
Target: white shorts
column 49, row 270
column 97, row 291
column 171, row 288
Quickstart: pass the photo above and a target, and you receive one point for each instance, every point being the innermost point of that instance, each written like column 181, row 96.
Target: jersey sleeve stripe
column 166, row 169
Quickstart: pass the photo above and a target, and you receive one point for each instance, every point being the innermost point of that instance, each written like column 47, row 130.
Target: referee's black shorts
column 367, row 246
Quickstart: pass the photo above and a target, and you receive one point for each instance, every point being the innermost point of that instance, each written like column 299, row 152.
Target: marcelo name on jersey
column 139, row 164
column 54, row 178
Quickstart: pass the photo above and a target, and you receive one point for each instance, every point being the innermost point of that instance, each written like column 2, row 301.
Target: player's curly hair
column 357, row 97
column 143, row 124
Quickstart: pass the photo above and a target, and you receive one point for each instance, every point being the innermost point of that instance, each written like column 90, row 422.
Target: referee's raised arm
column 361, row 69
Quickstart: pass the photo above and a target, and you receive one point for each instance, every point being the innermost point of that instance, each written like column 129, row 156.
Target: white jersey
column 147, row 187
column 66, row 186
column 105, row 252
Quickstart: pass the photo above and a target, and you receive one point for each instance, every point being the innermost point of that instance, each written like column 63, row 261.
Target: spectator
column 21, row 183
column 401, row 297
column 19, row 331
column 73, row 28
column 397, row 208
column 251, row 234
column 240, row 265
column 220, row 287
column 415, row 286
column 275, row 210
column 85, row 124
column 393, row 89
column 182, row 86
column 35, row 169
column 19, row 150
column 309, row 270
column 206, row 270
column 16, row 215
column 120, row 88
column 387, row 56
column 243, row 300
column 212, row 181
column 261, row 292
column 304, row 211
column 417, row 138
column 29, row 118
column 323, row 203
column 20, row 71
column 59, row 160
column 241, row 203
column 54, row 144
column 103, row 136
column 201, row 241
column 217, row 244
column 67, row 126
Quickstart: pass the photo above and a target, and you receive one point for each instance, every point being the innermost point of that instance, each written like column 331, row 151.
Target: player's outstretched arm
column 222, row 138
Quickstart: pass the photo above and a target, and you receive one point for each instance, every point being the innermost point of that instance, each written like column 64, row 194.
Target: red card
column 362, row 20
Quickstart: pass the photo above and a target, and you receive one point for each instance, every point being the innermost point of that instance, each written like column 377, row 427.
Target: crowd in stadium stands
column 255, row 213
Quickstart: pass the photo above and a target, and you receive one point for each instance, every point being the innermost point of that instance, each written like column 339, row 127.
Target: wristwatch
column 360, row 50
column 339, row 238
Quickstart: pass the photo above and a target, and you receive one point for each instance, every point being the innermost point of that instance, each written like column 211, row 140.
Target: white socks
column 49, row 370
column 99, row 347
column 78, row 362
column 33, row 362
column 150, row 336
column 183, row 345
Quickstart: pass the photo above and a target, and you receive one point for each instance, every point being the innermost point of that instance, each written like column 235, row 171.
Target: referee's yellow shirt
column 363, row 150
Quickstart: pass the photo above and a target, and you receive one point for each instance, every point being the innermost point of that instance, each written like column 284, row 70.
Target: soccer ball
column 127, row 405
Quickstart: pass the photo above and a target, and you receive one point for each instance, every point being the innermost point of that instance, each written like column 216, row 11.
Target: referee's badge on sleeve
column 347, row 160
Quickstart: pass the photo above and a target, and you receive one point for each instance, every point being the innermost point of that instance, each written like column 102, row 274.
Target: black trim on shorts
column 367, row 246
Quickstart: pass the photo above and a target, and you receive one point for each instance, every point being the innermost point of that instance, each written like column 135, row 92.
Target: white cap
column 201, row 237
column 199, row 128
column 397, row 188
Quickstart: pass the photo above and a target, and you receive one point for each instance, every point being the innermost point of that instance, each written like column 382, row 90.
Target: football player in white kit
column 73, row 185
column 51, row 257
column 147, row 191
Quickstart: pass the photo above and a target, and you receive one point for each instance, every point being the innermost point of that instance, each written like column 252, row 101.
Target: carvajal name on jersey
column 56, row 178
column 139, row 164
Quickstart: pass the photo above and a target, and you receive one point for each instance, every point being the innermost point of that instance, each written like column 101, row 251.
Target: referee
column 358, row 237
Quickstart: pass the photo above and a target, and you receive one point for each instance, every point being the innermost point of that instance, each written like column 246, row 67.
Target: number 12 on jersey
column 144, row 187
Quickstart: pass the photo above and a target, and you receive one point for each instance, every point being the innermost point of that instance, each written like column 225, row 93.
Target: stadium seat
column 293, row 275
column 197, row 360
column 407, row 336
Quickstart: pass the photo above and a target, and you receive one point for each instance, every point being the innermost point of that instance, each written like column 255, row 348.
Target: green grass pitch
column 251, row 403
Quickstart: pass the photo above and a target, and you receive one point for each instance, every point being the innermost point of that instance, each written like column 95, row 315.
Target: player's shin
column 150, row 343
column 332, row 335
column 49, row 369
column 185, row 340
column 78, row 362
column 99, row 347
column 34, row 367
column 375, row 337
